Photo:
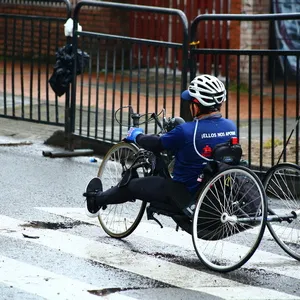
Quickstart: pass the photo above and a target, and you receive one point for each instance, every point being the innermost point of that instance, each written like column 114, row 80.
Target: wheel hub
column 225, row 217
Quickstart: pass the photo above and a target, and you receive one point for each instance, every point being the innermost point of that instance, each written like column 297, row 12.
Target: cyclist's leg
column 149, row 189
column 178, row 193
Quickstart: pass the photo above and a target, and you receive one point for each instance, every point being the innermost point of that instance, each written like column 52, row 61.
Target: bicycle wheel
column 229, row 219
column 119, row 220
column 282, row 186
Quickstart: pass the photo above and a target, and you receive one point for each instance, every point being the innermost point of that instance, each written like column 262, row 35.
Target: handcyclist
column 192, row 144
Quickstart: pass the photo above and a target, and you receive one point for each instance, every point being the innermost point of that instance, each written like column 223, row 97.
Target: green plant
column 243, row 88
column 268, row 143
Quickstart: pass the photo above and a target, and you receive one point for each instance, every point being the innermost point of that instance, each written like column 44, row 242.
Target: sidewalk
column 97, row 88
column 15, row 131
column 260, row 106
column 21, row 133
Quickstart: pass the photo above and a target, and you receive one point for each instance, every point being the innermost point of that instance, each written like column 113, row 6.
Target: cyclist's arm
column 174, row 139
column 169, row 141
column 150, row 142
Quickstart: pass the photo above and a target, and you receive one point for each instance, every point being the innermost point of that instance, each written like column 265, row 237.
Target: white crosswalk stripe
column 43, row 283
column 141, row 264
column 260, row 259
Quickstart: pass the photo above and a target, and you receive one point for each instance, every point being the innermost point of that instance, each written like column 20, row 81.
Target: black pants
column 159, row 191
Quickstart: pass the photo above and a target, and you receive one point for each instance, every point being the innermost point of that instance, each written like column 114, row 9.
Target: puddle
column 105, row 292
column 52, row 225
column 15, row 144
column 157, row 254
column 293, row 246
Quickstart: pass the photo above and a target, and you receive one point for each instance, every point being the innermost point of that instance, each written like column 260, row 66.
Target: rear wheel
column 119, row 220
column 282, row 186
column 229, row 219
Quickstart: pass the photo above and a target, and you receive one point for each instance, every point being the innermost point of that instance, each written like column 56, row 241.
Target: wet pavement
column 46, row 240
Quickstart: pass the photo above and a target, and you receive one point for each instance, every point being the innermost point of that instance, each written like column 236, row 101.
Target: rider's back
column 191, row 148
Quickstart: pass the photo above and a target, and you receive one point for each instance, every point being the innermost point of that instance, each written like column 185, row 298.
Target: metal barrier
column 264, row 106
column 128, row 70
column 27, row 56
column 119, row 75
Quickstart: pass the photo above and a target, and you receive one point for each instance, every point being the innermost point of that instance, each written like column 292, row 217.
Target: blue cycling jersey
column 211, row 131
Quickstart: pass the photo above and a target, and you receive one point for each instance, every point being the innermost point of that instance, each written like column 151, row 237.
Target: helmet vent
column 211, row 86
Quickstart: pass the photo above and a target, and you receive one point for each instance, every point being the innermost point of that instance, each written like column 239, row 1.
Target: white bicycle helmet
column 208, row 90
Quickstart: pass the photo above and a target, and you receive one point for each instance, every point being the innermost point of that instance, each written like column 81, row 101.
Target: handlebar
column 155, row 117
column 136, row 117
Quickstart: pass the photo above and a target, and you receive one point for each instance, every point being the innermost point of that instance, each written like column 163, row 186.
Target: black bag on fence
column 62, row 74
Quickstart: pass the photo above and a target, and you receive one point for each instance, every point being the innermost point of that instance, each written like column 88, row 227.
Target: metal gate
column 265, row 108
column 27, row 54
column 149, row 72
column 159, row 27
column 125, row 70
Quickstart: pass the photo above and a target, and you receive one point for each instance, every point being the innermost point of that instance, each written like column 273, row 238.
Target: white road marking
column 141, row 264
column 46, row 284
column 271, row 262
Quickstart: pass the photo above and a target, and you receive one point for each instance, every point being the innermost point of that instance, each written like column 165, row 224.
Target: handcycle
column 282, row 186
column 226, row 226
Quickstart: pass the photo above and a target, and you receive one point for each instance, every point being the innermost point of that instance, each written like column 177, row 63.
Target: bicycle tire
column 223, row 218
column 119, row 220
column 282, row 183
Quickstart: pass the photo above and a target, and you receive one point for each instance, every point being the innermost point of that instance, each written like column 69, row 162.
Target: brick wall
column 235, row 33
column 31, row 37
column 105, row 21
column 35, row 37
column 250, row 35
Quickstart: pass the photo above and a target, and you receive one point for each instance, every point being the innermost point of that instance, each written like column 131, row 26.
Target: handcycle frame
column 280, row 183
column 141, row 159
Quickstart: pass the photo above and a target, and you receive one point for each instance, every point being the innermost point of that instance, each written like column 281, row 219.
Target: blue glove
column 133, row 132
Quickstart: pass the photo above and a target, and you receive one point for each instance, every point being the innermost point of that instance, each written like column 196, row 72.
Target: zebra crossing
column 51, row 289
column 47, row 284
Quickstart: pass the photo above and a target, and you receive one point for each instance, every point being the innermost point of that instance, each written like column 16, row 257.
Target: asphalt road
column 50, row 250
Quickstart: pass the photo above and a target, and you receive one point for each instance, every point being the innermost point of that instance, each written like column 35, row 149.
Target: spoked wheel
column 119, row 220
column 229, row 219
column 282, row 186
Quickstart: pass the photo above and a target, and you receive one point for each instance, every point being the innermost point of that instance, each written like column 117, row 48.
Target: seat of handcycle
column 229, row 153
column 223, row 155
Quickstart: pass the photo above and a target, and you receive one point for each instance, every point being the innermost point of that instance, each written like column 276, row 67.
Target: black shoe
column 184, row 222
column 92, row 190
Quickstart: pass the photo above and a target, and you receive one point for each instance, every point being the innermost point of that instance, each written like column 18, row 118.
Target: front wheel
column 229, row 219
column 282, row 185
column 119, row 220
